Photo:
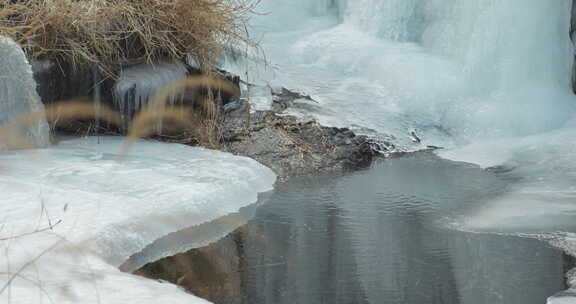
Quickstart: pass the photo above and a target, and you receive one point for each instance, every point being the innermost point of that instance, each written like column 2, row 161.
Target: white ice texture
column 455, row 71
column 18, row 96
column 102, row 210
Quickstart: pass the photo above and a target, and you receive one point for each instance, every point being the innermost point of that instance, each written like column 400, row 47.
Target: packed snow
column 94, row 208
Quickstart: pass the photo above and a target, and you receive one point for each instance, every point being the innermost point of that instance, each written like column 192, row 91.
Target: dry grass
column 111, row 33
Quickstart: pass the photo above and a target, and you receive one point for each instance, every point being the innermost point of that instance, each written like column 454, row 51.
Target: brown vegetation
column 111, row 33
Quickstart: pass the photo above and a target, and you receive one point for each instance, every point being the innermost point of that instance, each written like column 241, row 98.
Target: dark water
column 374, row 236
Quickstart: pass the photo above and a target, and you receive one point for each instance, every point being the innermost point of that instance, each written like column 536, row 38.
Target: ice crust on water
column 18, row 94
column 544, row 194
column 109, row 211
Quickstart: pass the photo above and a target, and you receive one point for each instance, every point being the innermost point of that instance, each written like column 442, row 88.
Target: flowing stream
column 382, row 235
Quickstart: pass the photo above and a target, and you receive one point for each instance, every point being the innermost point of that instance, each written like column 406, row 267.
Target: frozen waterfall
column 18, row 96
column 453, row 70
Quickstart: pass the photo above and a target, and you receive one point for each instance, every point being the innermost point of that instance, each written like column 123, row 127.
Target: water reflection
column 375, row 236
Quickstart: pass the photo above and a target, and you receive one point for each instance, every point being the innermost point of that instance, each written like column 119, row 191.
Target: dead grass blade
column 208, row 82
column 14, row 275
column 204, row 125
column 143, row 123
column 54, row 113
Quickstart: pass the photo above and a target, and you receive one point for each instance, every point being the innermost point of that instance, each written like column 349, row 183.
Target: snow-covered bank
column 103, row 211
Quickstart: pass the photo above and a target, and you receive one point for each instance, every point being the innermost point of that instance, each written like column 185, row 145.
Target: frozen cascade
column 138, row 85
column 18, row 94
column 454, row 70
column 395, row 19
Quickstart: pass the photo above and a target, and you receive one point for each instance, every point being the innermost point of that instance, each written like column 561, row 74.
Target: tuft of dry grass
column 112, row 33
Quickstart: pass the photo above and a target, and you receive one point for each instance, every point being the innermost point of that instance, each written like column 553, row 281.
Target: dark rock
column 283, row 99
column 291, row 147
column 58, row 81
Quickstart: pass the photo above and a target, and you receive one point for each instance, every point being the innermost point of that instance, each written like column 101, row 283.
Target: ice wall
column 453, row 70
column 18, row 96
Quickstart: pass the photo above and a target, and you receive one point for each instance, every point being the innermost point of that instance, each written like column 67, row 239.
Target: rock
column 283, row 99
column 290, row 147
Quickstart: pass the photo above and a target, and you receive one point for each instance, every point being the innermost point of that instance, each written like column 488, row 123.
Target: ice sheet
column 103, row 211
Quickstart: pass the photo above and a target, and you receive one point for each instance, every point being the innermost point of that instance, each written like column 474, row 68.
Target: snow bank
column 103, row 211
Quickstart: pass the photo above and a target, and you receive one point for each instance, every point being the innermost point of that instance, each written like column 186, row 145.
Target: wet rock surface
column 290, row 146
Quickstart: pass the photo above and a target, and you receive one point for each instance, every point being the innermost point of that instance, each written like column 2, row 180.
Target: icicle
column 137, row 86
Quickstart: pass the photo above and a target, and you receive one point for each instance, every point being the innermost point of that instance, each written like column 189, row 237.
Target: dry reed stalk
column 207, row 82
column 143, row 123
column 54, row 113
column 207, row 121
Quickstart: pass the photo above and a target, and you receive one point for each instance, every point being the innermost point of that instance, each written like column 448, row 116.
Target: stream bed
column 379, row 235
